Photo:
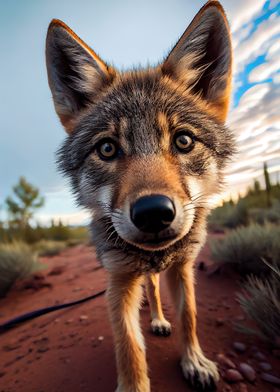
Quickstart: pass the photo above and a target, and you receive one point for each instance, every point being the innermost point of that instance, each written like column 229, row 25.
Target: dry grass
column 245, row 247
column 49, row 247
column 17, row 260
column 260, row 299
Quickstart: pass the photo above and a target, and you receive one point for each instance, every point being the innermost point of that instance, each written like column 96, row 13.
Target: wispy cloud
column 255, row 116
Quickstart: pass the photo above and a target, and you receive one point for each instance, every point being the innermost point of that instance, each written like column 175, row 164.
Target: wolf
column 145, row 152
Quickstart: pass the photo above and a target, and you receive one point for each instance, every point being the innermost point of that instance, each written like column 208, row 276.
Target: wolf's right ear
column 76, row 74
column 202, row 58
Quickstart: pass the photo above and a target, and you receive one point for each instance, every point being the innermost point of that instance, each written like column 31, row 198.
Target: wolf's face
column 146, row 148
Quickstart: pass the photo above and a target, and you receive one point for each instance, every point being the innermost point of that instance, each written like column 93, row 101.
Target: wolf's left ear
column 76, row 74
column 203, row 58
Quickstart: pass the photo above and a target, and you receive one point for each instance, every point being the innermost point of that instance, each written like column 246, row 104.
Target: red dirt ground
column 66, row 352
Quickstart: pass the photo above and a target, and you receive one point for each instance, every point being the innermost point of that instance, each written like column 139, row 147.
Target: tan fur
column 124, row 297
column 153, row 294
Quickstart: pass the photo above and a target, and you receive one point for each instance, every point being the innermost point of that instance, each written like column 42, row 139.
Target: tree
column 267, row 184
column 257, row 186
column 27, row 200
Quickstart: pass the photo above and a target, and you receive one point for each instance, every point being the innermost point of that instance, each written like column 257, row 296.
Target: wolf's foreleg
column 160, row 326
column 124, row 297
column 198, row 370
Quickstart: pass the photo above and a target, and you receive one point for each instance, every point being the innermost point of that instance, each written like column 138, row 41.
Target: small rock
column 227, row 388
column 276, row 353
column 240, row 318
column 58, row 270
column 83, row 317
column 77, row 289
column 258, row 355
column 69, row 321
column 239, row 347
column 270, row 378
column 247, row 371
column 100, row 338
column 226, row 305
column 232, row 354
column 42, row 349
column 232, row 375
column 243, row 387
column 219, row 322
column 2, row 374
column 265, row 366
column 11, row 346
column 226, row 362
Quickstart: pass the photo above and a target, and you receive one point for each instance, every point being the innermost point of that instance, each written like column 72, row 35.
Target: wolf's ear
column 76, row 74
column 203, row 58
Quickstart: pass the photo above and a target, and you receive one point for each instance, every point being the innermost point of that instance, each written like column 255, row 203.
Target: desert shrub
column 260, row 299
column 269, row 215
column 17, row 260
column 49, row 247
column 74, row 242
column 229, row 216
column 245, row 247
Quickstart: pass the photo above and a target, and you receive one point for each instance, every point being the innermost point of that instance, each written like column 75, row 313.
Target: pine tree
column 267, row 184
column 23, row 205
column 257, row 186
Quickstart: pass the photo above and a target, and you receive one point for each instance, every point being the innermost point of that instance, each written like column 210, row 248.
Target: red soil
column 63, row 351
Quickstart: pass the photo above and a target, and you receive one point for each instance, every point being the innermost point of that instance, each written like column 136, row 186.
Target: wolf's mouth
column 157, row 242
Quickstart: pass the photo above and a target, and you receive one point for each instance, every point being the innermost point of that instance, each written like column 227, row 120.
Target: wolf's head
column 145, row 148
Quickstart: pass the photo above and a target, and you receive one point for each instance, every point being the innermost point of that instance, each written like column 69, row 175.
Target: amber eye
column 107, row 149
column 184, row 142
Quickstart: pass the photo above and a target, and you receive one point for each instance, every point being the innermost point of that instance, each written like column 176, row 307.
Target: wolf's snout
column 152, row 214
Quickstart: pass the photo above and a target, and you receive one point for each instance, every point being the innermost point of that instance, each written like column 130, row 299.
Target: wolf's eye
column 107, row 149
column 184, row 142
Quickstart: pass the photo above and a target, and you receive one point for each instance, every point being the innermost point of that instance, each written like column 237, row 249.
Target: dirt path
column 72, row 350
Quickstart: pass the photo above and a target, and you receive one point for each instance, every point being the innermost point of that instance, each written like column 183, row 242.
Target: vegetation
column 25, row 202
column 245, row 247
column 49, row 247
column 17, row 260
column 257, row 206
column 252, row 248
column 21, row 242
column 260, row 299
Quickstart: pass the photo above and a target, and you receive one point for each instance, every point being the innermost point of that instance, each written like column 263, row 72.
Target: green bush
column 269, row 215
column 229, row 216
column 260, row 299
column 49, row 247
column 56, row 232
column 17, row 260
column 245, row 247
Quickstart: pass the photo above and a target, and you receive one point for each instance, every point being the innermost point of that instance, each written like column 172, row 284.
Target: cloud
column 256, row 125
column 270, row 67
column 241, row 12
column 258, row 42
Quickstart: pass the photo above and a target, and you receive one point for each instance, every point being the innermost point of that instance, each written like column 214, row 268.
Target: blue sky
column 128, row 33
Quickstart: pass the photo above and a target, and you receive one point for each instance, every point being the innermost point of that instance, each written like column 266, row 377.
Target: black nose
column 152, row 214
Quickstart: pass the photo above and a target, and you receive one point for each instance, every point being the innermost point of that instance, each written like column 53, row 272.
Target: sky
column 128, row 33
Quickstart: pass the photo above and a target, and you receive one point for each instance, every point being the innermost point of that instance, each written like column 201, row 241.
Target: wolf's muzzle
column 152, row 214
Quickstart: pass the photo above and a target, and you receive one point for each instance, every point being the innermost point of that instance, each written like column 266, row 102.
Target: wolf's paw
column 161, row 327
column 201, row 373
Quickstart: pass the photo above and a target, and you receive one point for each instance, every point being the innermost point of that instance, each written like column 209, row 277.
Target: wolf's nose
column 152, row 214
